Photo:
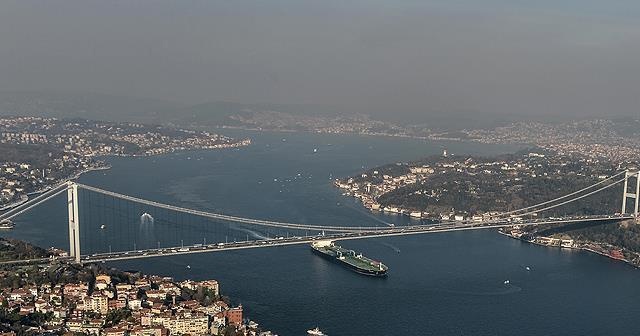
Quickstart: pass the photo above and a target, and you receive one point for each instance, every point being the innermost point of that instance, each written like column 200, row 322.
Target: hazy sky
column 533, row 57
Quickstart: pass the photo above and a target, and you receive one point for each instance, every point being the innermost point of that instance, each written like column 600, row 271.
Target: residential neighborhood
column 39, row 153
column 461, row 188
column 92, row 300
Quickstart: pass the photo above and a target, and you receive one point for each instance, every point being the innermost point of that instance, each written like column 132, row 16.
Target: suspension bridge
column 114, row 226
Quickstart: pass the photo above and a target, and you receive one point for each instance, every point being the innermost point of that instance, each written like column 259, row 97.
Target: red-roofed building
column 234, row 316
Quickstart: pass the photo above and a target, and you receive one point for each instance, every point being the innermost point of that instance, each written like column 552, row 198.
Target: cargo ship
column 349, row 258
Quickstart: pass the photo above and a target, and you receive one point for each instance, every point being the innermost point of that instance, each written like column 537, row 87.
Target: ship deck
column 359, row 262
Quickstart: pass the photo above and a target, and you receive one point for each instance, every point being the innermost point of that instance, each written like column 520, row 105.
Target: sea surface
column 439, row 284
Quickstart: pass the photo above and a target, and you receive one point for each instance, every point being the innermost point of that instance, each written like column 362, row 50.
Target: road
column 284, row 241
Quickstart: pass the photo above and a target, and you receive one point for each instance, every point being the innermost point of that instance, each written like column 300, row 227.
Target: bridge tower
column 74, row 222
column 626, row 194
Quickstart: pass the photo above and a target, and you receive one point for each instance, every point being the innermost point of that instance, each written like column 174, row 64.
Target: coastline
column 579, row 248
column 20, row 202
column 199, row 305
column 73, row 177
column 244, row 290
column 104, row 166
column 374, row 134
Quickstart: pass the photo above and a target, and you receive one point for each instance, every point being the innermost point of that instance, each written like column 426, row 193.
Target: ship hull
column 373, row 273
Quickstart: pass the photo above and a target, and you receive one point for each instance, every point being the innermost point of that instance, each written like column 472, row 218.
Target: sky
column 578, row 58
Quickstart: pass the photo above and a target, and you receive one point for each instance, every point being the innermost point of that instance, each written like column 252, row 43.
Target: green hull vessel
column 349, row 258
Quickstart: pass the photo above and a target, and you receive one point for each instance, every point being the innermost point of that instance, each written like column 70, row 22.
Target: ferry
column 315, row 332
column 349, row 258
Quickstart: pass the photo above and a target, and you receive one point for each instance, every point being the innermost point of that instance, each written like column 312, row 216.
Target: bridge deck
column 392, row 231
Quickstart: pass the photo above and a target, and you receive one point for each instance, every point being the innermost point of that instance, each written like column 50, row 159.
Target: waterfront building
column 187, row 325
column 234, row 316
column 211, row 285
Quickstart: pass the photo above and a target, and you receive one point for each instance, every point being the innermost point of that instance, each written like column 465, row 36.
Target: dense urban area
column 38, row 153
column 59, row 298
column 616, row 140
column 62, row 298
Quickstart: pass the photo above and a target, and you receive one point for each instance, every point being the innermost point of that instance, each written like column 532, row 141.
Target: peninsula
column 38, row 153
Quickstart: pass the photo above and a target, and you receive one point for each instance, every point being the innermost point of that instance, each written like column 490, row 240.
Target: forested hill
column 12, row 249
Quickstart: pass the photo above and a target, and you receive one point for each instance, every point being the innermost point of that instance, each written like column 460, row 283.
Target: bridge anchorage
column 114, row 226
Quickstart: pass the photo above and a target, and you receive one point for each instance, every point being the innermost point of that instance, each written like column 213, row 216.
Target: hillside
column 12, row 249
column 85, row 105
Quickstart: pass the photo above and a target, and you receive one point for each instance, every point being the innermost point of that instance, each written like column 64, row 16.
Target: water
column 440, row 284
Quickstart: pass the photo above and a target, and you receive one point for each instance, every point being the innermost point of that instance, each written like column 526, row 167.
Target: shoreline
column 20, row 202
column 236, row 144
column 73, row 177
column 576, row 248
column 105, row 166
column 386, row 135
column 197, row 315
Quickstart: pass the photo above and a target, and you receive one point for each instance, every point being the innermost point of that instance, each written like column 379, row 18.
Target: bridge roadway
column 296, row 240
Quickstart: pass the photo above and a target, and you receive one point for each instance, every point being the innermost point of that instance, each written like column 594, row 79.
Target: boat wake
column 393, row 247
column 508, row 289
column 252, row 233
column 375, row 218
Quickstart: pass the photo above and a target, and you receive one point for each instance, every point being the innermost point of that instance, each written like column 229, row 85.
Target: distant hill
column 219, row 113
column 85, row 105
column 134, row 109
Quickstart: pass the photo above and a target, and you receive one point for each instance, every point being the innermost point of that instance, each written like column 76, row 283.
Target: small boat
column 315, row 150
column 316, row 332
column 102, row 227
column 527, row 268
column 506, row 282
column 188, row 266
column 6, row 224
